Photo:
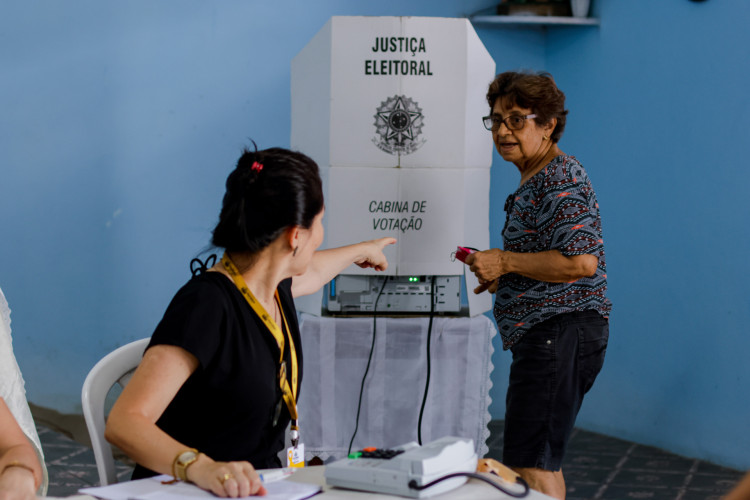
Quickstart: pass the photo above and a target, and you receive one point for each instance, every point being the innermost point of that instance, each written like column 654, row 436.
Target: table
column 336, row 352
column 472, row 490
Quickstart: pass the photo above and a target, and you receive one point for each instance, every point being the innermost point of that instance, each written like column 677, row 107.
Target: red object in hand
column 463, row 252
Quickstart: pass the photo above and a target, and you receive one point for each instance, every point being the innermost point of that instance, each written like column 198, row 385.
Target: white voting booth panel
column 357, row 72
column 410, row 205
column 390, row 108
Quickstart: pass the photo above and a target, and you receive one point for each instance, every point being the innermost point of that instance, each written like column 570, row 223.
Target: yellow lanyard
column 289, row 394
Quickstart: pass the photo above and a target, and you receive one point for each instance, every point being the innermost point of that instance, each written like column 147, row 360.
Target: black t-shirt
column 225, row 408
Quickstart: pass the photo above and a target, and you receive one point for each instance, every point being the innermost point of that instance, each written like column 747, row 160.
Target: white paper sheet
column 153, row 489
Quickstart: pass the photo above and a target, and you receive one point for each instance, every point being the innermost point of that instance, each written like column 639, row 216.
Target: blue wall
column 119, row 122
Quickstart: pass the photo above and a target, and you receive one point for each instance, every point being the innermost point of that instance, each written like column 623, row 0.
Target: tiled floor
column 70, row 465
column 597, row 467
column 603, row 467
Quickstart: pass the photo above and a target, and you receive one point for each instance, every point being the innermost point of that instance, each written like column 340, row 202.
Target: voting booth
column 390, row 108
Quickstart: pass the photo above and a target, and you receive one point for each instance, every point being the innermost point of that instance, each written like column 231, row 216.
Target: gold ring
column 225, row 477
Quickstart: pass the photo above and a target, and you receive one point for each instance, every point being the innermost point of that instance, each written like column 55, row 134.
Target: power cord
column 415, row 486
column 427, row 381
column 369, row 360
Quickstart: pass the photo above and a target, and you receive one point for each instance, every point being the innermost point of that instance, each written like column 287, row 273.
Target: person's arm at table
column 132, row 425
column 20, row 471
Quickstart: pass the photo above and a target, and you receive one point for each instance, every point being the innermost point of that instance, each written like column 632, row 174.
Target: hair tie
column 256, row 166
column 197, row 266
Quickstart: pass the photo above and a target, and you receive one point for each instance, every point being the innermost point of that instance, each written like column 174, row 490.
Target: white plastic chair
column 115, row 368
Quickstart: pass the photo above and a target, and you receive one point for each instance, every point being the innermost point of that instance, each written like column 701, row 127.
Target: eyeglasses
column 513, row 122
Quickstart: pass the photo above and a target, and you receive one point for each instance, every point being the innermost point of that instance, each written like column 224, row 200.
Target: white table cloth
column 336, row 351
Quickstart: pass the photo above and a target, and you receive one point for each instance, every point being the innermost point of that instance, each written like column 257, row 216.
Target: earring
column 294, row 254
column 546, row 138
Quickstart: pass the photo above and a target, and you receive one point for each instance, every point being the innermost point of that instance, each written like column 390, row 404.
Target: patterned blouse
column 555, row 209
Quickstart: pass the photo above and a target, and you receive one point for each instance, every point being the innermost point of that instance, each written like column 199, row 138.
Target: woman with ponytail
column 218, row 383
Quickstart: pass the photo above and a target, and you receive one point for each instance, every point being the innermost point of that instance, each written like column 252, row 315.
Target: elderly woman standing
column 550, row 279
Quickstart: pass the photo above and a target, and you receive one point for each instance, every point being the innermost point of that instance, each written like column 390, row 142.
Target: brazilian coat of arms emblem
column 398, row 124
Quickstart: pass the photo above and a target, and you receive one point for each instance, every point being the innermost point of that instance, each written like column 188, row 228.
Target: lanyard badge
column 295, row 454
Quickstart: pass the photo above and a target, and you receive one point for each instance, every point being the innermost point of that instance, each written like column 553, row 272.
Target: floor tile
column 587, row 475
column 649, row 492
column 701, row 495
column 582, row 458
column 575, row 489
column 715, row 483
column 651, row 478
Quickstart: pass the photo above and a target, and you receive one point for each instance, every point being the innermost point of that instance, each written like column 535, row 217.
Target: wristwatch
column 184, row 460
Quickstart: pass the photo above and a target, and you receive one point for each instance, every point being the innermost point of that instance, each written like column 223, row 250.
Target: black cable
column 369, row 359
column 413, row 483
column 427, row 381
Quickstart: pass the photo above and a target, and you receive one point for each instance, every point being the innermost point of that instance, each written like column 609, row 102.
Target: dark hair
column 268, row 191
column 534, row 91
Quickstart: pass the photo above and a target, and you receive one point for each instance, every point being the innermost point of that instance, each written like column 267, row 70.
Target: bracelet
column 16, row 463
